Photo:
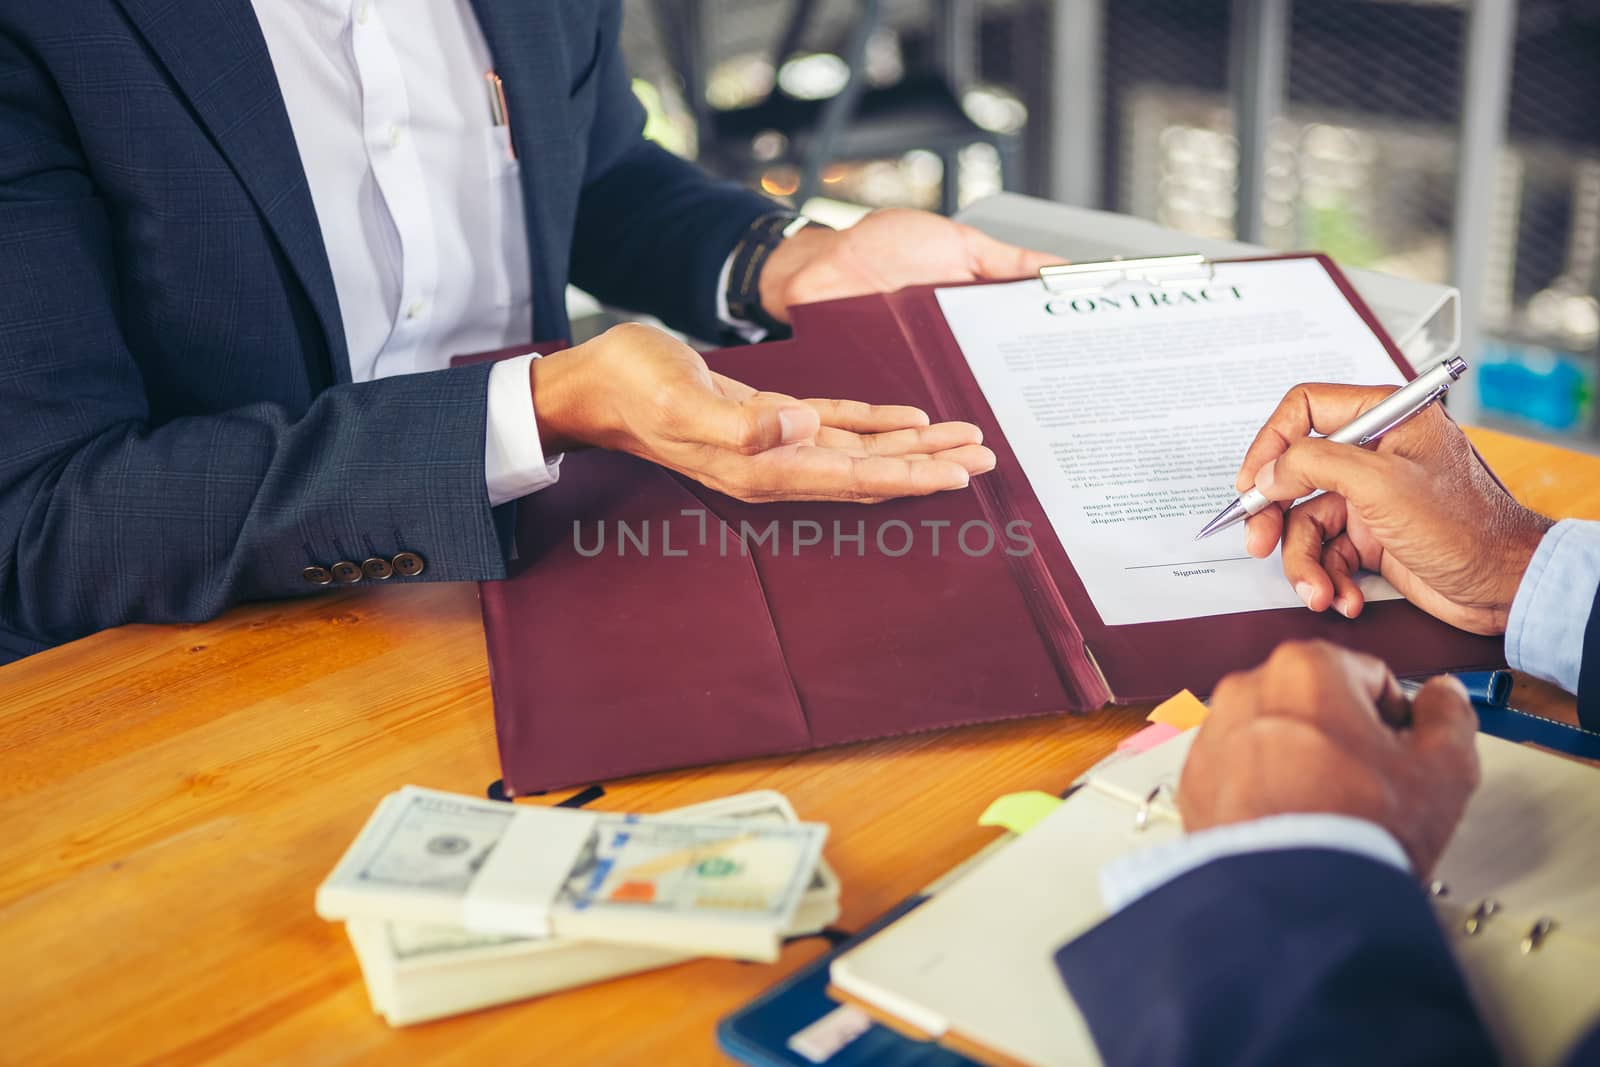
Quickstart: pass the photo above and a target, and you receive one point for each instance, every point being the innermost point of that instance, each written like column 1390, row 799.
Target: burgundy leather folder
column 639, row 631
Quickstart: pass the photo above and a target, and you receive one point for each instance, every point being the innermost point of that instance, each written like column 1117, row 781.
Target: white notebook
column 973, row 967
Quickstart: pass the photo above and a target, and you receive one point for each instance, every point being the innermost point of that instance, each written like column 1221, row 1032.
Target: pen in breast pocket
column 499, row 114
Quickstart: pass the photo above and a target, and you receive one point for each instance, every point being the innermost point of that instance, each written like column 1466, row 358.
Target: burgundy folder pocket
column 609, row 652
column 902, row 616
column 649, row 622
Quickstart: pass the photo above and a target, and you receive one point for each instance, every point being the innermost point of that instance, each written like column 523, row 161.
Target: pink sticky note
column 1149, row 737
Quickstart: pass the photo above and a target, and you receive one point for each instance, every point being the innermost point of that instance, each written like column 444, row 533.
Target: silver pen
column 1393, row 410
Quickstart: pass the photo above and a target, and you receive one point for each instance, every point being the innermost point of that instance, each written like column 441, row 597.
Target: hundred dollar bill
column 771, row 806
column 416, row 971
column 712, row 888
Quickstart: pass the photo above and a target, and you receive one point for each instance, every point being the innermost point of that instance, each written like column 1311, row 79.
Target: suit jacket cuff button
column 346, row 572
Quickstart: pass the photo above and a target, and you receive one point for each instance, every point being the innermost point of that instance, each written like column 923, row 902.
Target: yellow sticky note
column 1019, row 812
column 1182, row 711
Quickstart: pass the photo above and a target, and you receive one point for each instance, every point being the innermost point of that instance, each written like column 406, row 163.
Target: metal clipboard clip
column 1184, row 269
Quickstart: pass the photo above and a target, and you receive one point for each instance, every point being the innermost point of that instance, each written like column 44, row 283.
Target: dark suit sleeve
column 652, row 230
column 1589, row 671
column 1307, row 956
column 108, row 515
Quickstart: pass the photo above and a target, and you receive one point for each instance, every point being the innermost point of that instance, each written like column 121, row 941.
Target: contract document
column 1130, row 409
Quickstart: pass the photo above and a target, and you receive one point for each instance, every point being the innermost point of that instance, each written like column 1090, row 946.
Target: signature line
column 1187, row 563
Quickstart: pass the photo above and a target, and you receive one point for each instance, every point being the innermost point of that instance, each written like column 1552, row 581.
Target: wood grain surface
column 171, row 797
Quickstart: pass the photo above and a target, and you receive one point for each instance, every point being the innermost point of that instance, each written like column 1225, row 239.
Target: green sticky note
column 1019, row 812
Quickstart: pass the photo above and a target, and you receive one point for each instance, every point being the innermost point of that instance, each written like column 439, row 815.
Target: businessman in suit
column 241, row 239
column 1289, row 925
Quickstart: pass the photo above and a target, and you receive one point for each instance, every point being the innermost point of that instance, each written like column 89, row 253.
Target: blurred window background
column 1453, row 141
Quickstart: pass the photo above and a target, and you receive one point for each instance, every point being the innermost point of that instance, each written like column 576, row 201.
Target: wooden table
column 172, row 796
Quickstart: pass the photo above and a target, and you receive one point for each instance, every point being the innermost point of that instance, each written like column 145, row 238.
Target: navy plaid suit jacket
column 180, row 430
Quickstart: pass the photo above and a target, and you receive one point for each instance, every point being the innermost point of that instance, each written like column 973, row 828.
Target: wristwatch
column 750, row 255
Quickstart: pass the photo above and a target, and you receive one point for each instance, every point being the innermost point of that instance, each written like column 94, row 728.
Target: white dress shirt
column 418, row 199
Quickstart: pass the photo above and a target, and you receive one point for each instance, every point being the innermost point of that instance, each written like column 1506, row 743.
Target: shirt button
column 363, row 11
column 417, row 308
column 346, row 572
column 395, row 132
column 407, row 564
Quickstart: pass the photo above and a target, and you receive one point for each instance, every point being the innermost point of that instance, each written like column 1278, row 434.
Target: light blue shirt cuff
column 1125, row 880
column 1544, row 635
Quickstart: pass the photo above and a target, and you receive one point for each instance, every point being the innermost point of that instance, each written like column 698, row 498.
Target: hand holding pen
column 1420, row 509
column 1397, row 408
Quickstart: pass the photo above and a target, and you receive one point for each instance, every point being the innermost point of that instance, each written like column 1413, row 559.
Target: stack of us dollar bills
column 454, row 903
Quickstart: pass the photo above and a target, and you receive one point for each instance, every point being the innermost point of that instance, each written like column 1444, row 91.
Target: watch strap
column 755, row 246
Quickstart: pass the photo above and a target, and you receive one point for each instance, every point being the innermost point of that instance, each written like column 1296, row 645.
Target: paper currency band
column 512, row 895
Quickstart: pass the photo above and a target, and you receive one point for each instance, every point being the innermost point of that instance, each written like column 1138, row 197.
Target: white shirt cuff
column 743, row 327
column 1125, row 880
column 514, row 463
column 1544, row 634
